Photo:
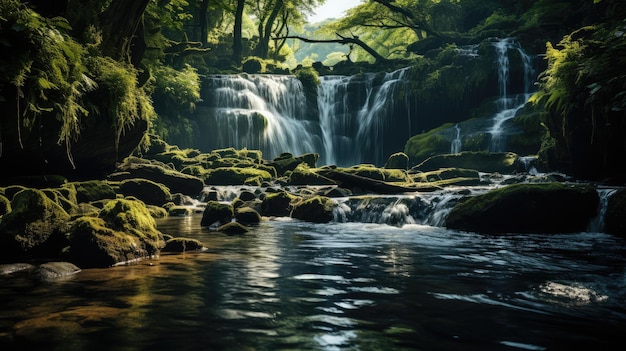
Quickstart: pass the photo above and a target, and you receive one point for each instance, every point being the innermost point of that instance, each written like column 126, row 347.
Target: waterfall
column 597, row 224
column 264, row 112
column 356, row 114
column 455, row 146
column 507, row 104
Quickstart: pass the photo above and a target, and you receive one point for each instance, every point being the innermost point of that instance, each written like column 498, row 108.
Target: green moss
column 132, row 217
column 234, row 176
column 505, row 163
column 5, row 206
column 215, row 211
column 150, row 192
column 445, row 174
column 419, row 147
column 317, row 209
column 92, row 190
column 278, row 204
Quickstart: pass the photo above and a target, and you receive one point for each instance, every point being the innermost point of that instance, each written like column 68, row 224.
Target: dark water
column 290, row 285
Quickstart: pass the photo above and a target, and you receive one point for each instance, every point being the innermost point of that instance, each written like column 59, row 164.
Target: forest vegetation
column 85, row 82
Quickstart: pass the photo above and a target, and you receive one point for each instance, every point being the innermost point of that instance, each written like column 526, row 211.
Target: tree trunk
column 262, row 49
column 121, row 20
column 204, row 25
column 237, row 37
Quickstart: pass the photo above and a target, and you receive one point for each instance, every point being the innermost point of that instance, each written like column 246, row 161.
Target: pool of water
column 291, row 285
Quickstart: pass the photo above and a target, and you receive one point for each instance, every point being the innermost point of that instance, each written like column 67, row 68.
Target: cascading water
column 264, row 112
column 355, row 115
column 455, row 147
column 508, row 105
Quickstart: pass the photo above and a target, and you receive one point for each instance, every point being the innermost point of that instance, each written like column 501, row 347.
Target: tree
column 237, row 37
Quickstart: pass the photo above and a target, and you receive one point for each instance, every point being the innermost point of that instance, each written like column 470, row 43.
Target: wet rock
column 527, row 208
column 55, row 270
column 233, row 228
column 182, row 245
column 318, row 209
column 216, row 212
column 615, row 219
column 247, row 215
column 146, row 190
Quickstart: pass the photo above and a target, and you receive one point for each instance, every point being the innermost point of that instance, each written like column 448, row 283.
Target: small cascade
column 507, row 104
column 597, row 224
column 529, row 164
column 355, row 114
column 455, row 146
column 262, row 112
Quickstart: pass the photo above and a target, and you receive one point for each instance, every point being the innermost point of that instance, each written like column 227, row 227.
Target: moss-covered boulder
column 235, row 176
column 93, row 190
column 182, row 245
column 247, row 215
column 434, row 142
column 318, row 209
column 123, row 231
column 399, row 160
column 527, row 208
column 449, row 177
column 615, row 218
column 217, row 212
column 287, row 162
column 233, row 228
column 179, row 211
column 278, row 204
column 505, row 163
column 303, row 175
column 35, row 226
column 175, row 181
column 146, row 190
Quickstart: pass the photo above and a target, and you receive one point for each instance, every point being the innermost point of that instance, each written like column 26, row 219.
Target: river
column 292, row 285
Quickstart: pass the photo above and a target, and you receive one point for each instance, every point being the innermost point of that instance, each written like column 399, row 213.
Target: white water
column 455, row 148
column 265, row 112
column 508, row 105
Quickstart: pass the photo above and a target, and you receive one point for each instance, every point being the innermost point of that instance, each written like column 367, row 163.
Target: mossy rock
column 145, row 190
column 35, row 225
column 318, row 209
column 399, row 160
column 217, row 212
column 278, row 204
column 233, row 228
column 92, row 190
column 234, row 176
column 94, row 244
column 11, row 190
column 247, row 215
column 134, row 218
column 303, row 175
column 615, row 218
column 504, row 163
column 422, row 146
column 445, row 174
column 179, row 211
column 182, row 245
column 175, row 181
column 382, row 174
column 527, row 208
column 58, row 197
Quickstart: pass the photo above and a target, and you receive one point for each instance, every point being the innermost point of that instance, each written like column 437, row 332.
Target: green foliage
column 253, row 65
column 46, row 69
column 127, row 103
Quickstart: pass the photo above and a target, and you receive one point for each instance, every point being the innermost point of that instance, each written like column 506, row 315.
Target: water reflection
column 342, row 286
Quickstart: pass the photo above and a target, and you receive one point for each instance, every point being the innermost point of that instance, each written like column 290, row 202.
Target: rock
column 399, row 160
column 247, row 215
column 233, row 228
column 303, row 175
column 182, row 245
column 12, row 268
column 318, row 209
column 146, row 190
column 504, row 163
column 5, row 205
column 93, row 190
column 527, row 208
column 179, row 211
column 216, row 212
column 123, row 231
column 247, row 196
column 35, row 226
column 615, row 219
column 175, row 181
column 278, row 204
column 236, row 176
column 55, row 270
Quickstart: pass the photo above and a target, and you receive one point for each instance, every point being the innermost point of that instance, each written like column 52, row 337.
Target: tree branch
column 342, row 40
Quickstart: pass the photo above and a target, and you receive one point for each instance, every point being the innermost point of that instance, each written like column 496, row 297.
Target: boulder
column 146, row 190
column 51, row 271
column 247, row 215
column 527, row 208
column 318, row 209
column 235, row 176
column 182, row 245
column 35, row 226
column 233, row 228
column 175, row 181
column 123, row 231
column 504, row 163
column 93, row 190
column 216, row 212
column 278, row 204
column 399, row 160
